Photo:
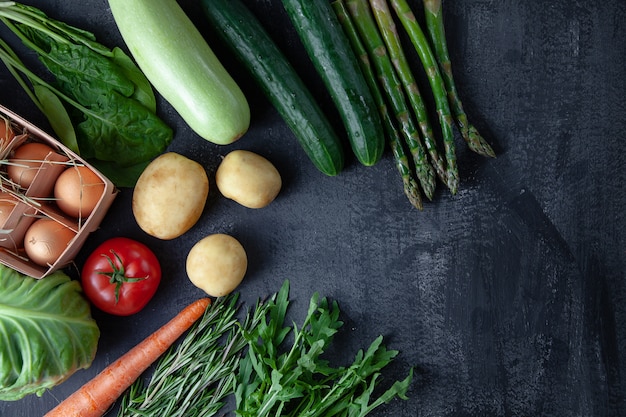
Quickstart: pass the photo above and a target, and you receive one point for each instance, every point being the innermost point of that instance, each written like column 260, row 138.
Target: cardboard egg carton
column 36, row 201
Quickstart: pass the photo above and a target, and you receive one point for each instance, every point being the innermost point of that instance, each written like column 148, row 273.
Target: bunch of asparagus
column 371, row 29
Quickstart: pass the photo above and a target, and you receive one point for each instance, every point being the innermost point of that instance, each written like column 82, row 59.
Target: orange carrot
column 95, row 397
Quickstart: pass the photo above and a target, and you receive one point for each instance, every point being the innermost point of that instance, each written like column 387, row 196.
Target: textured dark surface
column 508, row 298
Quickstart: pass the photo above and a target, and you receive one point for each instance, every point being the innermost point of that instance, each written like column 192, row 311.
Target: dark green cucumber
column 244, row 35
column 335, row 61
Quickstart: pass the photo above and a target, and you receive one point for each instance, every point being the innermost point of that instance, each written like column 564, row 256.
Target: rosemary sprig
column 195, row 377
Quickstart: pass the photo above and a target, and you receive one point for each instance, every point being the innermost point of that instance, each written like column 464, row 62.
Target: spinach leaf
column 84, row 74
column 118, row 128
column 57, row 116
column 107, row 98
column 121, row 130
column 46, row 332
column 143, row 92
column 119, row 175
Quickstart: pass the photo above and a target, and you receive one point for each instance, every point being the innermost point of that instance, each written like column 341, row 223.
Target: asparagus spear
column 410, row 186
column 434, row 24
column 391, row 38
column 427, row 57
column 368, row 31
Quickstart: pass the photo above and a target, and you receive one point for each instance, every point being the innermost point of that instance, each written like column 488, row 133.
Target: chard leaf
column 46, row 332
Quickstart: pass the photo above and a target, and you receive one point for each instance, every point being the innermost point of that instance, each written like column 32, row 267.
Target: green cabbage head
column 46, row 332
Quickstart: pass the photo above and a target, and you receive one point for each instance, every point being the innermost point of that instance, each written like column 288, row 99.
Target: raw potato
column 217, row 264
column 170, row 195
column 248, row 178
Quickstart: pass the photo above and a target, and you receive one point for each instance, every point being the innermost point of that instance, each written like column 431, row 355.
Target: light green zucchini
column 182, row 67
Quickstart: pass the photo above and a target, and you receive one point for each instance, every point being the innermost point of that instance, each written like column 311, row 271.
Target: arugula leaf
column 277, row 379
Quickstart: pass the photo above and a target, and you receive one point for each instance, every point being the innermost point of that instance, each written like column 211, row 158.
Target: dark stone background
column 508, row 298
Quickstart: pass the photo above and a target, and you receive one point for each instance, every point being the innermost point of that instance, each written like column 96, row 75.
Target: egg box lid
column 36, row 200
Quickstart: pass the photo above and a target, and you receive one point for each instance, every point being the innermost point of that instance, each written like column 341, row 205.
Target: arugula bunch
column 100, row 104
column 278, row 378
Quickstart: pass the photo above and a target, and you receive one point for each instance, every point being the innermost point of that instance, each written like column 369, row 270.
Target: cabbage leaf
column 46, row 332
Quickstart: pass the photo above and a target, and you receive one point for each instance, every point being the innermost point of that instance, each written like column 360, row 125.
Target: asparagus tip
column 478, row 144
column 413, row 194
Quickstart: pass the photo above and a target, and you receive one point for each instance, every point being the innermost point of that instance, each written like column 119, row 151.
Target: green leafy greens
column 297, row 381
column 196, row 376
column 110, row 118
column 46, row 332
column 270, row 369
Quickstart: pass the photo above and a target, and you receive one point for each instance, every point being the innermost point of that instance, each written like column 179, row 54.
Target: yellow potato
column 170, row 195
column 217, row 264
column 248, row 178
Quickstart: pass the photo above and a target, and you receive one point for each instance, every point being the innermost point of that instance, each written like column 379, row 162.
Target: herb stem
column 194, row 378
column 11, row 61
column 58, row 31
column 6, row 54
column 24, row 18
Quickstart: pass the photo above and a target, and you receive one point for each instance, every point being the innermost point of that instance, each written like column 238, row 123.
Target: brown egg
column 26, row 161
column 45, row 241
column 77, row 191
column 6, row 132
column 7, row 204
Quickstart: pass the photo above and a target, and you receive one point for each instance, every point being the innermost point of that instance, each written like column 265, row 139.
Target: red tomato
column 121, row 276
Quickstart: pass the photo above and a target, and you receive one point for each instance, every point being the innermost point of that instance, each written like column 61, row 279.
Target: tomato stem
column 118, row 274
